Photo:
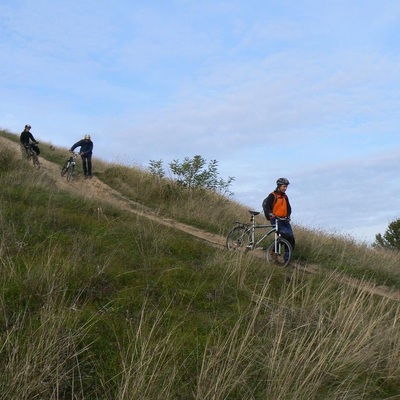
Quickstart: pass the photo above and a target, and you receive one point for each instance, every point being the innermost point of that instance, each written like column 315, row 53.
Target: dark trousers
column 34, row 147
column 285, row 229
column 87, row 164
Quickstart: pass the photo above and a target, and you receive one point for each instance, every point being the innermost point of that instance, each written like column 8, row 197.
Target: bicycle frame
column 243, row 236
column 69, row 166
column 72, row 160
column 251, row 230
column 30, row 154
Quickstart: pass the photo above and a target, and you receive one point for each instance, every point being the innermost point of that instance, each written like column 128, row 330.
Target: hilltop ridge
column 120, row 287
column 96, row 189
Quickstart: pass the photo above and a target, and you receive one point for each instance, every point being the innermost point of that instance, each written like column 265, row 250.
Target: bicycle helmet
column 28, row 126
column 87, row 137
column 282, row 181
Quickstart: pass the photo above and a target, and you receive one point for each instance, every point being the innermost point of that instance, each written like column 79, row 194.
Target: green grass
column 112, row 305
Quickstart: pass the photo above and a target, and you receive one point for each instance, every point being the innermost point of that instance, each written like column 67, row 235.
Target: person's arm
column 289, row 207
column 74, row 146
column 268, row 205
column 32, row 138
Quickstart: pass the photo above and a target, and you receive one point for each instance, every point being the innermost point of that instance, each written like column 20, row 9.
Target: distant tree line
column 194, row 173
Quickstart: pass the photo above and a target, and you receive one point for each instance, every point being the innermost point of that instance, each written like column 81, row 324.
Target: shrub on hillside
column 194, row 174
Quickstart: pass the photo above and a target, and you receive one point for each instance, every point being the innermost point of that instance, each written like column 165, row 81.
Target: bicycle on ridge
column 243, row 236
column 69, row 166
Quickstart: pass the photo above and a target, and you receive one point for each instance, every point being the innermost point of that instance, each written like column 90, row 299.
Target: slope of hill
column 97, row 189
column 107, row 292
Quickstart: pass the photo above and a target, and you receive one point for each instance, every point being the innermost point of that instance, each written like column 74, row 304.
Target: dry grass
column 334, row 342
column 113, row 306
column 42, row 353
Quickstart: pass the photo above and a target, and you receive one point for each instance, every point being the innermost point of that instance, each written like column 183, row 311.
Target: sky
column 303, row 89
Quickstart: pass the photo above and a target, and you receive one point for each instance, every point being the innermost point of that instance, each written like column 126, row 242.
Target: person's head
column 282, row 184
column 87, row 137
column 27, row 127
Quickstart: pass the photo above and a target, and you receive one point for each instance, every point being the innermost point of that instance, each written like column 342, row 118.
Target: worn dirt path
column 96, row 189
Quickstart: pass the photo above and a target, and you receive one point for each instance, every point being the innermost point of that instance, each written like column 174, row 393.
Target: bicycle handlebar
column 281, row 218
column 255, row 213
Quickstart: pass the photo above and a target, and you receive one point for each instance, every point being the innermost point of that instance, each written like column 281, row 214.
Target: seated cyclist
column 26, row 138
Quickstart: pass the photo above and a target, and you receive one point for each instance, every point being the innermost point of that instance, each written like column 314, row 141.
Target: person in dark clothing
column 277, row 205
column 85, row 152
column 26, row 138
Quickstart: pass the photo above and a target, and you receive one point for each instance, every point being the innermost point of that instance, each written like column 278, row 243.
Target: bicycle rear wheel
column 69, row 172
column 35, row 160
column 24, row 152
column 281, row 255
column 238, row 237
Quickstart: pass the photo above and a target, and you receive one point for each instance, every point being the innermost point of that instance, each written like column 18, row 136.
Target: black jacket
column 86, row 147
column 25, row 137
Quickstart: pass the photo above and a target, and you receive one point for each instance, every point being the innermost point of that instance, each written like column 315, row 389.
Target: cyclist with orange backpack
column 277, row 205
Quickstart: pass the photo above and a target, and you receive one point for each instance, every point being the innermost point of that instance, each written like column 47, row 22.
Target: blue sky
column 309, row 90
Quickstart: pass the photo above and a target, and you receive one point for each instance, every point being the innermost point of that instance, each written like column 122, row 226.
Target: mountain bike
column 243, row 236
column 30, row 154
column 69, row 166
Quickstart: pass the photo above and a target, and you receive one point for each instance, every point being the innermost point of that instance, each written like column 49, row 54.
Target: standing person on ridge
column 277, row 205
column 26, row 137
column 86, row 154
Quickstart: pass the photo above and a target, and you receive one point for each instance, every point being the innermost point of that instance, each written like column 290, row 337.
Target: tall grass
column 307, row 344
column 42, row 342
column 111, row 305
column 379, row 266
column 329, row 340
column 200, row 208
column 148, row 365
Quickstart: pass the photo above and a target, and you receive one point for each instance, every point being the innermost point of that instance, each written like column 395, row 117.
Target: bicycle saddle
column 254, row 212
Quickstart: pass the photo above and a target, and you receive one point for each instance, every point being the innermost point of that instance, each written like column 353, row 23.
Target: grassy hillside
column 97, row 302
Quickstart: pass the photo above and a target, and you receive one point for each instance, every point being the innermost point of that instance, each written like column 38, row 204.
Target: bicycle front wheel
column 238, row 237
column 64, row 169
column 69, row 172
column 279, row 254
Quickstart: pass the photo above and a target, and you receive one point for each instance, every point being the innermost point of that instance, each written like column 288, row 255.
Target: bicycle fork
column 278, row 247
column 277, row 243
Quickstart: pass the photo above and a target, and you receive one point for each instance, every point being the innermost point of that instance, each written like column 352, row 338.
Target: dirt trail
column 96, row 189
